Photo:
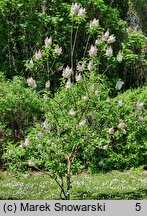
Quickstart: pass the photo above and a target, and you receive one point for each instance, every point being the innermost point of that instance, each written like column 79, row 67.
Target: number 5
column 138, row 207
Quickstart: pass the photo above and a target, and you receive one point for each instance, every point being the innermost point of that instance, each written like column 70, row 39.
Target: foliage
column 29, row 23
column 92, row 132
column 20, row 108
column 135, row 60
column 88, row 130
column 139, row 8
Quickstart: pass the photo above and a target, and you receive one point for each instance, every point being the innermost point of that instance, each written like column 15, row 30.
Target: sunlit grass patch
column 113, row 185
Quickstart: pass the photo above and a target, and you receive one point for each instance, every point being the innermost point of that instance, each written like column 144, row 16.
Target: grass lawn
column 113, row 185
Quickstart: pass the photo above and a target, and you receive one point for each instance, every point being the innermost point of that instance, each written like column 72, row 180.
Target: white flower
column 111, row 39
column 72, row 112
column 82, row 12
column 119, row 85
column 39, row 135
column 139, row 105
column 11, row 152
column 31, row 82
column 58, row 51
column 45, row 97
column 26, row 142
column 31, row 164
column 140, row 118
column 97, row 92
column 80, row 67
column 47, row 84
column 39, row 146
column 78, row 77
column 67, row 72
column 93, row 51
column 121, row 125
column 111, row 130
column 85, row 97
column 61, row 68
column 20, row 146
column 31, row 64
column 123, row 130
column 120, row 103
column 68, row 84
column 82, row 123
column 98, row 41
column 26, row 176
column 38, row 55
column 46, row 126
column 48, row 42
column 90, row 65
column 116, row 133
column 119, row 57
column 105, row 147
column 74, row 9
column 109, row 51
column 94, row 24
column 106, row 35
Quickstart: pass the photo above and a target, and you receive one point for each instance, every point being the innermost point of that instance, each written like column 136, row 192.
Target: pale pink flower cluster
column 31, row 64
column 31, row 164
column 78, row 77
column 90, row 65
column 47, row 84
column 141, row 118
column 109, row 52
column 38, row 55
column 119, row 85
column 80, row 67
column 46, row 126
column 68, row 83
column 11, row 152
column 111, row 130
column 45, row 97
column 26, row 143
column 82, row 123
column 97, row 91
column 26, row 176
column 82, row 12
column 48, row 42
column 67, row 72
column 122, row 126
column 72, row 112
column 92, row 51
column 98, row 41
column 31, row 82
column 105, row 147
column 119, row 57
column 111, row 39
column 94, row 24
column 139, row 105
column 76, row 10
column 58, row 51
column 120, row 103
column 106, row 35
column 85, row 98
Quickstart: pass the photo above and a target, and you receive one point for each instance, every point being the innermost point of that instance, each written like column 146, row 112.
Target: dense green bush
column 85, row 129
column 20, row 108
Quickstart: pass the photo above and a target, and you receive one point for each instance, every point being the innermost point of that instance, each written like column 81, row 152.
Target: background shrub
column 20, row 108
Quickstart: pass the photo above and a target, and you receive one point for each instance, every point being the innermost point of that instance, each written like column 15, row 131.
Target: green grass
column 113, row 185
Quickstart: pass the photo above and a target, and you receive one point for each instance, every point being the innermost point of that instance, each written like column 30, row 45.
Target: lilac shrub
column 83, row 127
